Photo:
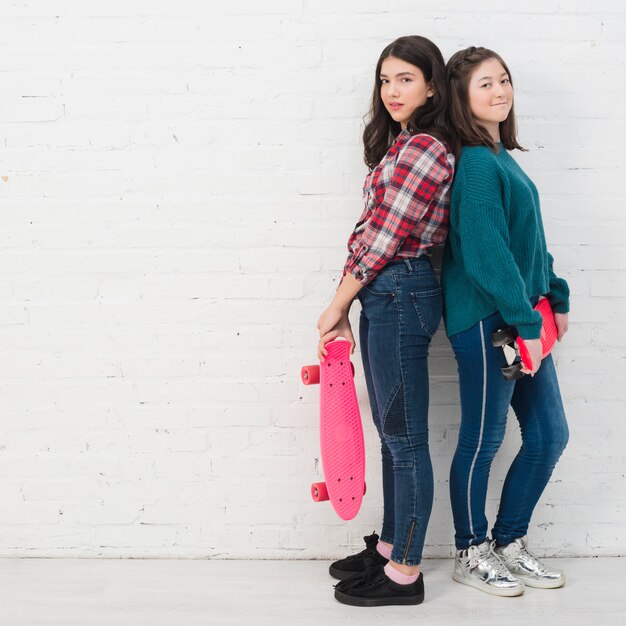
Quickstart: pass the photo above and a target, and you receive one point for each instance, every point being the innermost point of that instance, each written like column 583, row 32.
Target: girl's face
column 403, row 89
column 490, row 95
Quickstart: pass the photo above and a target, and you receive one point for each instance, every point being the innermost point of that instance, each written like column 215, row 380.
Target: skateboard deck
column 516, row 351
column 341, row 432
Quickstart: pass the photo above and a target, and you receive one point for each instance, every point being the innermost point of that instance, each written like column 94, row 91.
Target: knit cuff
column 529, row 331
column 560, row 307
column 559, row 303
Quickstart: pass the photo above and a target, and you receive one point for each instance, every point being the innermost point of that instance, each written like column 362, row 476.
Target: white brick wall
column 178, row 184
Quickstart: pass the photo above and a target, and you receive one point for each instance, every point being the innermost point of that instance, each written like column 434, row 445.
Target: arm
column 340, row 305
column 334, row 321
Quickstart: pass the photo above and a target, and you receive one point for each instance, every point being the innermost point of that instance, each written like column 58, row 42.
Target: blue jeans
column 485, row 400
column 401, row 310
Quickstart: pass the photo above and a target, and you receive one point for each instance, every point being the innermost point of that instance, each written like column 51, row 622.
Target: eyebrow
column 400, row 74
column 489, row 77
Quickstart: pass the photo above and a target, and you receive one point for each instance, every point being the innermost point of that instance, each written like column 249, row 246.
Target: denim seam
column 402, row 377
column 398, row 524
column 385, row 413
column 480, row 436
column 412, row 520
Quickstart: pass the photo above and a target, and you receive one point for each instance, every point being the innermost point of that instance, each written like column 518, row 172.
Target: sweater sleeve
column 559, row 290
column 481, row 224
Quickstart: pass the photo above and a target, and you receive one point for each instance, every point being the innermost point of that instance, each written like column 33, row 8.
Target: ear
column 431, row 92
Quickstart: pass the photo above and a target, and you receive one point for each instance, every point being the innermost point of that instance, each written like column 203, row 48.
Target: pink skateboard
column 515, row 350
column 341, row 431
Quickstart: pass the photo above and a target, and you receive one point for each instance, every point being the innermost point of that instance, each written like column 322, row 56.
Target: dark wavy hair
column 380, row 129
column 460, row 68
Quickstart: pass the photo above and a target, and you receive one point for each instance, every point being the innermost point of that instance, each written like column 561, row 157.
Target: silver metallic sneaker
column 527, row 567
column 479, row 567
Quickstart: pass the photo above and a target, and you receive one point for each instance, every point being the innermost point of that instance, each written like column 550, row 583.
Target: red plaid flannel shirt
column 407, row 204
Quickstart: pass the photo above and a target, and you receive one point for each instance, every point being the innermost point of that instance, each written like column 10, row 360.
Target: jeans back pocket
column 428, row 306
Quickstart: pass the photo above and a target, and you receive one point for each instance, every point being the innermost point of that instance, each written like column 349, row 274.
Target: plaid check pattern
column 407, row 205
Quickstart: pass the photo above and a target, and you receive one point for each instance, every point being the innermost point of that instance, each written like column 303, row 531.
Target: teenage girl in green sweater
column 496, row 267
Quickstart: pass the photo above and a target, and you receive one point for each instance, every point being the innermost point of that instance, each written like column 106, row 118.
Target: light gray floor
column 93, row 592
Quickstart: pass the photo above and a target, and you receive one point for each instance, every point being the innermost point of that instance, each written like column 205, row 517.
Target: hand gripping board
column 548, row 333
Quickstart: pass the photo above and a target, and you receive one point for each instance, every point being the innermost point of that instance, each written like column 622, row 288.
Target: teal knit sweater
column 496, row 257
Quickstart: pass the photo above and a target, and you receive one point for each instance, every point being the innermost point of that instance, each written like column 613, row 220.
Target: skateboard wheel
column 364, row 488
column 310, row 374
column 502, row 337
column 352, row 368
column 319, row 492
column 513, row 372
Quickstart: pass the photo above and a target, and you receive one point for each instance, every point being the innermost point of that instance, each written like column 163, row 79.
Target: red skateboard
column 515, row 350
column 341, row 431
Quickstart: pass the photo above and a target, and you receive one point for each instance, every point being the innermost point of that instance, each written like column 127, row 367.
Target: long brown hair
column 470, row 132
column 381, row 130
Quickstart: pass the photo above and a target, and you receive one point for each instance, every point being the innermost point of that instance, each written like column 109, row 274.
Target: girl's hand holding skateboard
column 536, row 353
column 342, row 328
column 330, row 318
column 562, row 324
column 334, row 322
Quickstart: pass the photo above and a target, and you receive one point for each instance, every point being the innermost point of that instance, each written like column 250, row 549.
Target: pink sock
column 383, row 550
column 398, row 577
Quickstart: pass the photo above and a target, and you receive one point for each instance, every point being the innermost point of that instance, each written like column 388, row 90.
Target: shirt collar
column 401, row 138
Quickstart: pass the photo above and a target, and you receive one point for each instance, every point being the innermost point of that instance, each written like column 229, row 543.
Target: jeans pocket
column 383, row 285
column 428, row 306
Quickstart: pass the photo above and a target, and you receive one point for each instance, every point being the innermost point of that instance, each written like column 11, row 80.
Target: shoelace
column 375, row 581
column 524, row 551
column 371, row 571
column 493, row 561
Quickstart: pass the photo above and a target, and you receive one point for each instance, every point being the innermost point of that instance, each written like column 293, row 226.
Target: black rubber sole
column 344, row 598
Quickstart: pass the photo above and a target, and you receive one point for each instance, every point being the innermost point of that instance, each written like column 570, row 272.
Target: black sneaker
column 354, row 565
column 370, row 572
column 375, row 588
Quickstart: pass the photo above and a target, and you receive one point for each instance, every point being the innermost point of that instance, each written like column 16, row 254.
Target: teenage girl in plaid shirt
column 406, row 195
